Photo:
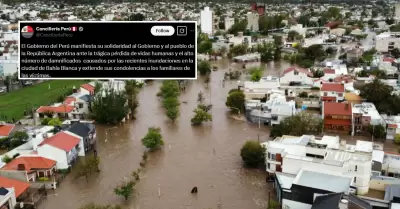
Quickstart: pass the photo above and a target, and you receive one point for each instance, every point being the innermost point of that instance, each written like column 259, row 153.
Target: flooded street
column 207, row 156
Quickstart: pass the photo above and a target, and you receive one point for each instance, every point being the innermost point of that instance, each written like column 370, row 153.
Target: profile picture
column 27, row 31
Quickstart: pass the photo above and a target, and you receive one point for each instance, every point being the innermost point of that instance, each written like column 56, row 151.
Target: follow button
column 162, row 30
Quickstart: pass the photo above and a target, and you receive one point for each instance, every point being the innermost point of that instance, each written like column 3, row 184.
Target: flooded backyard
column 207, row 156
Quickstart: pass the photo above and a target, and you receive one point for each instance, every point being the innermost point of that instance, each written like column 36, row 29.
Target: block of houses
column 63, row 147
column 332, row 92
column 296, row 75
column 393, row 126
column 290, row 154
column 337, row 116
column 33, row 169
column 10, row 190
column 6, row 129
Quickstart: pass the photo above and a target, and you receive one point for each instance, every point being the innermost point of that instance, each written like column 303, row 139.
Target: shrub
column 397, row 139
column 253, row 154
column 6, row 159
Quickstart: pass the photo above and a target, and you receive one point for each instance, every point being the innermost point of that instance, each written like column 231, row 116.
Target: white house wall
column 54, row 154
column 301, row 77
column 81, row 143
column 290, row 204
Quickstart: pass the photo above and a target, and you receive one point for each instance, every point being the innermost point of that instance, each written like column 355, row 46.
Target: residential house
column 386, row 42
column 301, row 191
column 63, row 147
column 56, row 110
column 332, row 92
column 392, row 126
column 32, row 169
column 5, row 129
column 337, row 116
column 87, row 89
column 353, row 55
column 86, row 131
column 290, row 154
column 81, row 102
column 15, row 189
column 296, row 76
column 261, row 89
column 7, row 198
column 365, row 114
column 273, row 111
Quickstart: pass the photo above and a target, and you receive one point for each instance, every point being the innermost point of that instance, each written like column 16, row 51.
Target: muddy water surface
column 206, row 156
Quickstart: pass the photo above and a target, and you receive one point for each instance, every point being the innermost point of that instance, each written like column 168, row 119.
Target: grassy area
column 14, row 103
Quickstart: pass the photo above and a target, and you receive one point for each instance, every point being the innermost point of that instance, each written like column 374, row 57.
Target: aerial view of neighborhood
column 296, row 105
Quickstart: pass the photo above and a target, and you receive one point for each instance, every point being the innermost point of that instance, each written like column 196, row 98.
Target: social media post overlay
column 108, row 50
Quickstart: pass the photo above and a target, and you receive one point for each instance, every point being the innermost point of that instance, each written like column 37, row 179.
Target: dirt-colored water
column 207, row 156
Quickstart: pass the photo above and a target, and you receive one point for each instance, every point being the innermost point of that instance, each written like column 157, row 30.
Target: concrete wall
column 380, row 183
column 48, row 185
column 17, row 175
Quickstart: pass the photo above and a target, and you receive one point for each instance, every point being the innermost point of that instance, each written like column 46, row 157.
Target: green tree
column 131, row 91
column 298, row 125
column 378, row 131
column 169, row 92
column 173, row 113
column 315, row 52
column 153, row 139
column 95, row 206
column 278, row 47
column 253, row 154
column 7, row 82
column 378, row 93
column 86, row 167
column 200, row 116
column 256, row 74
column 137, row 17
column 20, row 135
column 109, row 108
column 239, row 26
column 204, row 67
column 125, row 189
column 54, row 122
column 235, row 101
column 396, row 139
column 272, row 204
column 293, row 36
column 6, row 159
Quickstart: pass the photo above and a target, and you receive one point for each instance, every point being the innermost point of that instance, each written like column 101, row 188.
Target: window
column 355, row 169
column 355, row 179
column 296, row 72
column 340, row 94
column 333, row 92
column 325, row 93
column 80, row 105
column 273, row 156
column 269, row 155
column 268, row 166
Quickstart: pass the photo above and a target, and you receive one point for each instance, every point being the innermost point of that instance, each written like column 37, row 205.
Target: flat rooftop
column 323, row 181
column 285, row 180
column 342, row 156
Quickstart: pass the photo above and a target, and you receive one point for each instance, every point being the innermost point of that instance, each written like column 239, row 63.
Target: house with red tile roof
column 20, row 187
column 63, row 147
column 332, row 92
column 6, row 129
column 87, row 89
column 337, row 116
column 296, row 75
column 31, row 169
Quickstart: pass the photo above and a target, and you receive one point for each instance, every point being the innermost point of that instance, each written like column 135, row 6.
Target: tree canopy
column 253, row 154
column 153, row 139
column 110, row 107
column 235, row 101
column 298, row 125
column 169, row 93
column 381, row 96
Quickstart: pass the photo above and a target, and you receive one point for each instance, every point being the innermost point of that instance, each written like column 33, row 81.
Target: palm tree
column 376, row 91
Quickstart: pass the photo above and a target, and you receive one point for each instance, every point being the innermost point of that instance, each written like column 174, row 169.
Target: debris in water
column 194, row 190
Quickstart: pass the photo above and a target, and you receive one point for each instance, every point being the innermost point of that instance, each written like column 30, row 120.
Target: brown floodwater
column 206, row 156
